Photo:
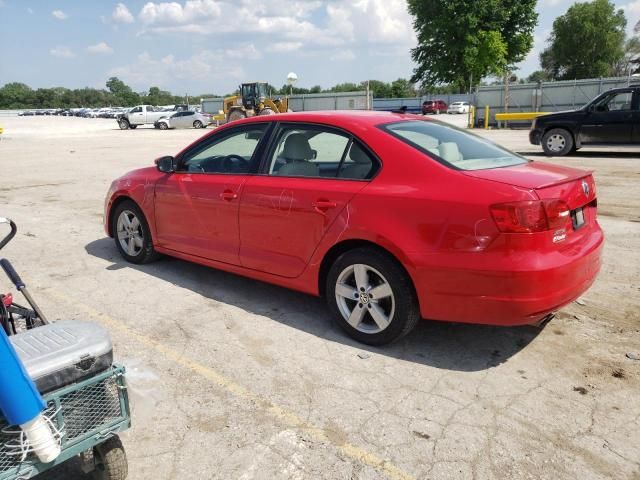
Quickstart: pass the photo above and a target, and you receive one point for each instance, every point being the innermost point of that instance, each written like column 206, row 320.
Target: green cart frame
column 90, row 413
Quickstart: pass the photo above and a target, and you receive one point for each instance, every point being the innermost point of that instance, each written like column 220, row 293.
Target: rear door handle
column 324, row 205
column 228, row 195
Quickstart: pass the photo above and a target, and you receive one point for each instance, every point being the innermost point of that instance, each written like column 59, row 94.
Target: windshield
column 262, row 90
column 452, row 146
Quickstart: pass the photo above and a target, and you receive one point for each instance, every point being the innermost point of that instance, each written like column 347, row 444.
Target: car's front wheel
column 371, row 296
column 557, row 142
column 197, row 124
column 163, row 126
column 132, row 234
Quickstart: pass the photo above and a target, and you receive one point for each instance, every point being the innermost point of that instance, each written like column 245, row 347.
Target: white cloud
column 632, row 11
column 121, row 14
column 343, row 56
column 59, row 14
column 100, row 48
column 204, row 65
column 244, row 52
column 30, row 11
column 62, row 52
column 287, row 25
column 284, row 47
column 194, row 11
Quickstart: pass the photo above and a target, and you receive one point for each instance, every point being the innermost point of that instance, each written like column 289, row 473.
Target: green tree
column 458, row 39
column 538, row 76
column 631, row 58
column 345, row 87
column 402, row 88
column 122, row 93
column 16, row 95
column 378, row 88
column 585, row 42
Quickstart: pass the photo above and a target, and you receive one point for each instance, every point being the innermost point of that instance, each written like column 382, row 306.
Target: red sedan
column 391, row 217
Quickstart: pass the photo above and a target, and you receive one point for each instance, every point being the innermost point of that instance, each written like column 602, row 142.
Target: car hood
column 564, row 115
column 531, row 175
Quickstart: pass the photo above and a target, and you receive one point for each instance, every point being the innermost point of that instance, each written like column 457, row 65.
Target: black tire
column 402, row 305
column 123, row 124
column 146, row 252
column 557, row 142
column 111, row 460
column 163, row 126
column 236, row 115
column 197, row 124
column 133, row 127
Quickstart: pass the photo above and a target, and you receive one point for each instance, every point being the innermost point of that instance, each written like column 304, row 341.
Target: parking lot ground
column 235, row 379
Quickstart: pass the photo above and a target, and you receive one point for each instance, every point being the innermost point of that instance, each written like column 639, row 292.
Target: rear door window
column 315, row 151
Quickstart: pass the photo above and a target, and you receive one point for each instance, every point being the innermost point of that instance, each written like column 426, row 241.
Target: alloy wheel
column 365, row 298
column 130, row 233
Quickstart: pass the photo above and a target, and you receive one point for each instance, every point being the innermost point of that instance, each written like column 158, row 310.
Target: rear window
column 453, row 147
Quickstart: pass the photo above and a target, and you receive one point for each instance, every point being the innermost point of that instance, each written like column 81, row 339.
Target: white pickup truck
column 140, row 115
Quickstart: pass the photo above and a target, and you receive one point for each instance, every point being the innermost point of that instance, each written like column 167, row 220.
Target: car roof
column 344, row 118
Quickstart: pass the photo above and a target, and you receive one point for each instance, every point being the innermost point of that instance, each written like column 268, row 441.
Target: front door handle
column 323, row 205
column 228, row 195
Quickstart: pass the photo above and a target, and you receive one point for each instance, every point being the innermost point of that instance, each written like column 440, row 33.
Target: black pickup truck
column 612, row 118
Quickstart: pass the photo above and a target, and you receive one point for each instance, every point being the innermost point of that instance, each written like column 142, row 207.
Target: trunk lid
column 532, row 175
column 574, row 187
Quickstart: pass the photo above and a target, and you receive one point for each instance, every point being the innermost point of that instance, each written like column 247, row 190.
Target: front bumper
column 535, row 136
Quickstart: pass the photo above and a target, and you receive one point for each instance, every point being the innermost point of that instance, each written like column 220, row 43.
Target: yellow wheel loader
column 253, row 100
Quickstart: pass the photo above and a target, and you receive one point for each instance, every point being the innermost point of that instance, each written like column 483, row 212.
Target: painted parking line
column 287, row 417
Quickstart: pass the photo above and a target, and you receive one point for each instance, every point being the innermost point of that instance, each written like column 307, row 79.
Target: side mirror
column 166, row 164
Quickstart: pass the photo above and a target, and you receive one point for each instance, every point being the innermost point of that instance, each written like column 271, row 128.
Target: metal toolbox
column 63, row 352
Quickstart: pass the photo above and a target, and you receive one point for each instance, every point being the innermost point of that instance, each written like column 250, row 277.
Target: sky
column 210, row 46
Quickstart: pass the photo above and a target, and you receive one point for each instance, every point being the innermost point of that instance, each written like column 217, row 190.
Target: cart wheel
column 111, row 460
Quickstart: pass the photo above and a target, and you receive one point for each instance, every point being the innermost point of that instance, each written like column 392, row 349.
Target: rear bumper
column 515, row 291
column 535, row 137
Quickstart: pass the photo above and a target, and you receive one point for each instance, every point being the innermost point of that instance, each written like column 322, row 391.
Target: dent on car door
column 196, row 208
column 310, row 175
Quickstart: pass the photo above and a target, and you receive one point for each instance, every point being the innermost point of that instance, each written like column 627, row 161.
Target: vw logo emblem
column 585, row 188
column 364, row 298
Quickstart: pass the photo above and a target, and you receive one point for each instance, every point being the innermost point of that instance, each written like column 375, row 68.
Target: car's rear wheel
column 132, row 234
column 197, row 124
column 557, row 142
column 371, row 297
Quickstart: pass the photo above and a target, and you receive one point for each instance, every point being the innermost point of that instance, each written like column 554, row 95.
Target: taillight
column 557, row 213
column 530, row 216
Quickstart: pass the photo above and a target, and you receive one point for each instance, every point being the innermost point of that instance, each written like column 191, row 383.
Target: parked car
column 140, row 115
column 458, row 107
column 391, row 217
column 612, row 118
column 433, row 106
column 183, row 120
